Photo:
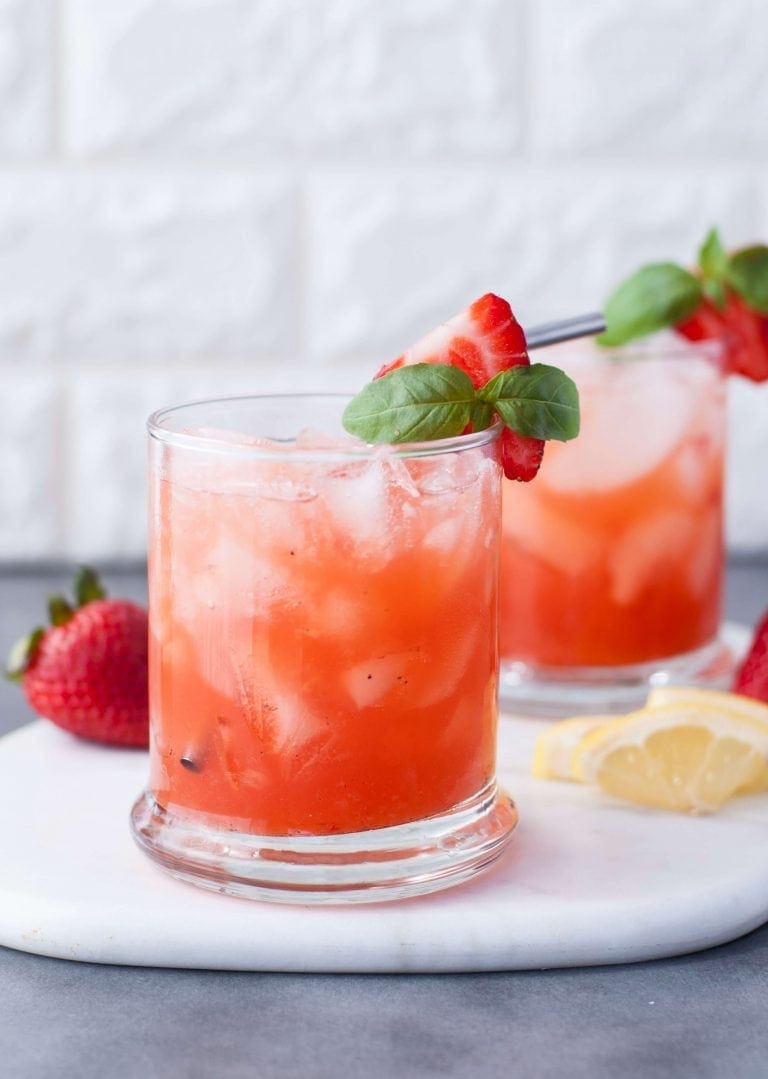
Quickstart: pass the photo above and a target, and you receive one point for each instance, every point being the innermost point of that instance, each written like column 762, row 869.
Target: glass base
column 557, row 692
column 355, row 867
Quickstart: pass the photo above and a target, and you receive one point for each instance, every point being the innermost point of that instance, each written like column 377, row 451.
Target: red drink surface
column 323, row 638
column 613, row 555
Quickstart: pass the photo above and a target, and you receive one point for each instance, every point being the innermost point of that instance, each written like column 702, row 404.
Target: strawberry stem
column 59, row 611
column 88, row 587
column 22, row 653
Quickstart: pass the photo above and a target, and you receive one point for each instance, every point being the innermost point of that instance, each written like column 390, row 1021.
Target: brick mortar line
column 534, row 162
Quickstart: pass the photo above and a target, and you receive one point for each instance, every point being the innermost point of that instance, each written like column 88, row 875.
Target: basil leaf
column 713, row 261
column 748, row 275
column 412, row 404
column 657, row 296
column 536, row 400
column 715, row 291
column 482, row 415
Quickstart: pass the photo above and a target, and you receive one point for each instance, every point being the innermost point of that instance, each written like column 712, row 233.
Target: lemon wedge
column 712, row 698
column 555, row 746
column 733, row 702
column 683, row 756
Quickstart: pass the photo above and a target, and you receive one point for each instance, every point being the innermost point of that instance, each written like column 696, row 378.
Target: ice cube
column 399, row 475
column 452, row 673
column 659, row 539
column 705, row 560
column 361, row 505
column 698, row 469
column 334, row 612
column 293, row 723
column 229, row 437
column 311, row 439
column 693, row 471
column 269, row 716
column 225, row 741
column 240, row 577
column 446, row 534
column 448, row 472
column 568, row 546
column 289, row 485
column 369, row 682
column 633, row 417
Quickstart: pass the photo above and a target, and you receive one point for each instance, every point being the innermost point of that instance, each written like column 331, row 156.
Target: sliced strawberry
column 744, row 334
column 483, row 340
column 520, row 455
column 705, row 324
column 752, row 677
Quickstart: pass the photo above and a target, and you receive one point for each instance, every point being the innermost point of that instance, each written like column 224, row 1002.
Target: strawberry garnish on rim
column 723, row 299
column 743, row 332
column 521, row 455
column 483, row 340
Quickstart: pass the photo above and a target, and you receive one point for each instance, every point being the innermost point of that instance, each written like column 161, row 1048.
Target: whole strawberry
column 752, row 676
column 87, row 672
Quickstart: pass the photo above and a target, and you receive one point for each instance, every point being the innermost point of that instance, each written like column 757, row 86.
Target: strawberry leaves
column 423, row 402
column 22, row 654
column 59, row 610
column 88, row 587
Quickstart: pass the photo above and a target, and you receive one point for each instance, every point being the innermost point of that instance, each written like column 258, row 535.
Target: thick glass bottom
column 356, row 867
column 556, row 692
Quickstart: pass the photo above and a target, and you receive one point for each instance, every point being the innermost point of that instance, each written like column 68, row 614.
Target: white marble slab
column 585, row 881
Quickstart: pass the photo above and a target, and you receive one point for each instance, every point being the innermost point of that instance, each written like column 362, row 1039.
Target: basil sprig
column 663, row 294
column 426, row 401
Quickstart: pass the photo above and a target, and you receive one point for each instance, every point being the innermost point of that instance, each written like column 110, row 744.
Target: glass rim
column 282, row 449
column 664, row 346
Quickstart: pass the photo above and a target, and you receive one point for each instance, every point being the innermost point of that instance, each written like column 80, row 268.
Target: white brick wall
column 26, row 78
column 125, row 264
column 199, row 196
column 295, row 77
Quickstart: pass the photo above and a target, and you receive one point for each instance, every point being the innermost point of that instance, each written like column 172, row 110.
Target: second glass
column 612, row 560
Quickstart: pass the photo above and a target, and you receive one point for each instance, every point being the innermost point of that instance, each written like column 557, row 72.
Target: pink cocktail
column 323, row 654
column 612, row 560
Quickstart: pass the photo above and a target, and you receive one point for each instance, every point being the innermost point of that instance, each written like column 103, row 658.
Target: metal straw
column 550, row 333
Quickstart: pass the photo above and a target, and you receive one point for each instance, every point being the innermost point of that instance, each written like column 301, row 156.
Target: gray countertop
column 701, row 1016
